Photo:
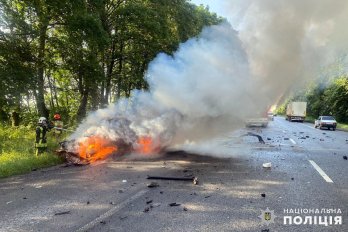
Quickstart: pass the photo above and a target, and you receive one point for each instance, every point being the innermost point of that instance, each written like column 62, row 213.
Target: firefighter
column 58, row 125
column 41, row 139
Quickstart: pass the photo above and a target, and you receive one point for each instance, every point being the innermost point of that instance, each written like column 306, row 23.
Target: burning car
column 94, row 148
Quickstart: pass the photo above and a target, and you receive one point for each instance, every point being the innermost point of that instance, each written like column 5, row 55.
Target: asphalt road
column 308, row 173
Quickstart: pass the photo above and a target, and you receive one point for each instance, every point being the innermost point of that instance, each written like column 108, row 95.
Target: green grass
column 17, row 153
column 342, row 126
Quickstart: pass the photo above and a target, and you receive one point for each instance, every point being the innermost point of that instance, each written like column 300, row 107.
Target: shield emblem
column 268, row 216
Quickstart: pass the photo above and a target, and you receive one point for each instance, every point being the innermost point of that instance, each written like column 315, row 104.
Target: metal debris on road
column 286, row 138
column 147, row 209
column 153, row 185
column 263, row 195
column 292, row 178
column 124, row 181
column 267, row 165
column 193, row 179
column 150, row 201
column 174, row 204
column 185, row 209
column 62, row 213
column 256, row 135
column 345, row 157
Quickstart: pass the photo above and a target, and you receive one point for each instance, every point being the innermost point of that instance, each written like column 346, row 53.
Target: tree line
column 327, row 95
column 75, row 56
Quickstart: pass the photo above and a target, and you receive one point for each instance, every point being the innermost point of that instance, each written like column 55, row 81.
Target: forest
column 72, row 57
column 327, row 94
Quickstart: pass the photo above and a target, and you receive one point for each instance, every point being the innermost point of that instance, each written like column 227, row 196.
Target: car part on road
column 62, row 213
column 256, row 135
column 174, row 204
column 345, row 157
column 267, row 165
column 153, row 185
column 263, row 195
column 193, row 179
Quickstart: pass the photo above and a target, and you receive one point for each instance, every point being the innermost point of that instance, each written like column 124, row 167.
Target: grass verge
column 17, row 153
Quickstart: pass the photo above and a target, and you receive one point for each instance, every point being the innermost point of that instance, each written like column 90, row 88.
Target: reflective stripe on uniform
column 40, row 145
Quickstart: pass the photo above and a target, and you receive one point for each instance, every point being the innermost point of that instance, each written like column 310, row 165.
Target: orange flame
column 96, row 148
column 145, row 145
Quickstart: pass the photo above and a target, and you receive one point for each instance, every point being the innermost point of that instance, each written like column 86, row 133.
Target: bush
column 17, row 152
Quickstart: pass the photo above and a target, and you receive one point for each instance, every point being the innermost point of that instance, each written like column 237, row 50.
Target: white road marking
column 111, row 212
column 312, row 127
column 293, row 141
column 321, row 172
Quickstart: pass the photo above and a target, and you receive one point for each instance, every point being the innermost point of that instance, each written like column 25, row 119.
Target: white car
column 325, row 121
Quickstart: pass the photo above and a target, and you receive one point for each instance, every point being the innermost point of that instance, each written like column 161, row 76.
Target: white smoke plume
column 213, row 82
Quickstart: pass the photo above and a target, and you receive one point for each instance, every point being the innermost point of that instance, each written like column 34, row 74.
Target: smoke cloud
column 213, row 82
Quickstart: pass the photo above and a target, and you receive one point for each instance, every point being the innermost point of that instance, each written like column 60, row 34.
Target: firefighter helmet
column 56, row 116
column 42, row 120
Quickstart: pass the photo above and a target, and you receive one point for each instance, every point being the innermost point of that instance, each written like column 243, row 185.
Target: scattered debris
column 292, row 178
column 282, row 158
column 193, row 179
column 103, row 222
column 321, row 139
column 124, row 181
column 155, row 205
column 120, row 191
column 88, row 202
column 207, row 196
column 153, row 185
column 345, row 157
column 263, row 195
column 129, row 167
column 269, row 139
column 150, row 201
column 25, row 198
column 147, row 209
column 307, row 136
column 174, row 204
column 62, row 213
column 112, row 203
column 267, row 165
column 265, row 230
column 122, row 217
column 9, row 202
column 161, row 192
column 286, row 138
column 185, row 209
column 303, row 138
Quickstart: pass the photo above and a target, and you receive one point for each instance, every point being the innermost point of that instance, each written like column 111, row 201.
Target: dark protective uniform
column 41, row 138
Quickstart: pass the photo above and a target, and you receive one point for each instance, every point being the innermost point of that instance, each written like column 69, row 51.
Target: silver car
column 325, row 121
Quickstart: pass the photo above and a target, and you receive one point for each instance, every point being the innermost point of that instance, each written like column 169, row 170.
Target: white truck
column 296, row 111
